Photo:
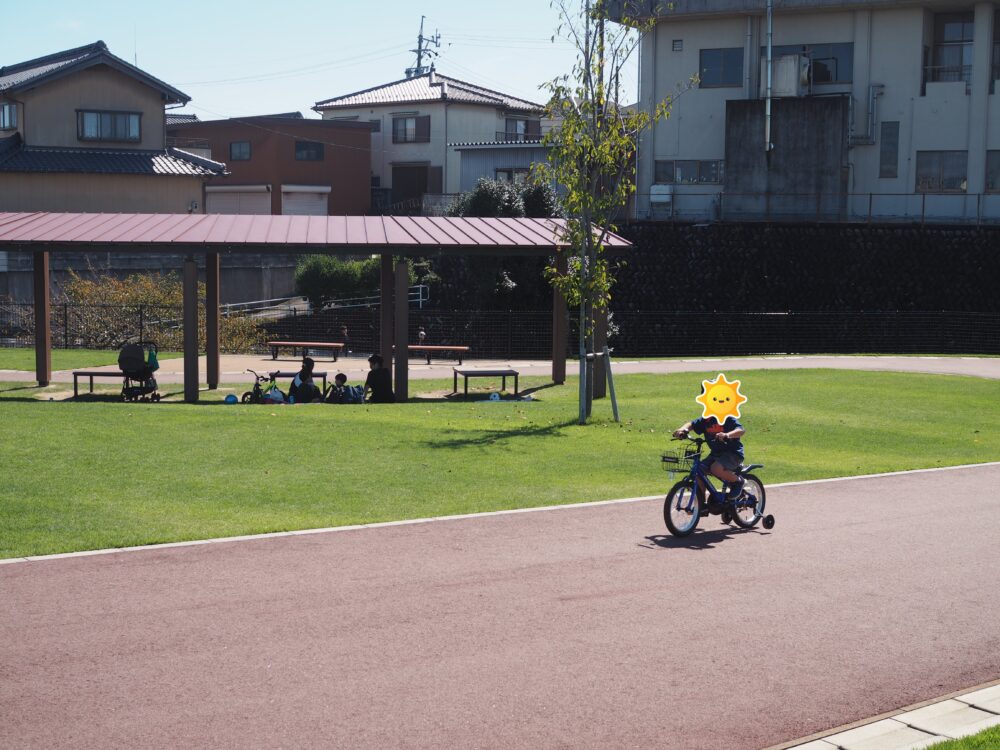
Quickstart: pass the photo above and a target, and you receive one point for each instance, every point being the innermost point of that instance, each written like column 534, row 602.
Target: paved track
column 573, row 628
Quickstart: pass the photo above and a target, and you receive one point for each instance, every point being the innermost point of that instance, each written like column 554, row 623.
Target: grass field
column 23, row 358
column 95, row 474
column 988, row 739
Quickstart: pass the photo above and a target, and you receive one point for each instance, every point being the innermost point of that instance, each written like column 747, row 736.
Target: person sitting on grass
column 338, row 391
column 304, row 390
column 725, row 450
column 378, row 384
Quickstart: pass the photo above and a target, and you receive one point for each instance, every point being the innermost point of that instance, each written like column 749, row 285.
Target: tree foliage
column 592, row 155
column 107, row 311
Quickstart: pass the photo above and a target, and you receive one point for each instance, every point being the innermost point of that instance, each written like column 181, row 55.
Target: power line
column 329, row 65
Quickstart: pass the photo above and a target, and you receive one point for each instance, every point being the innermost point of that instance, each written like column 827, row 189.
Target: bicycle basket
column 678, row 460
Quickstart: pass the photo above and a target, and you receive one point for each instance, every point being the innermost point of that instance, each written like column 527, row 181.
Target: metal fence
column 528, row 335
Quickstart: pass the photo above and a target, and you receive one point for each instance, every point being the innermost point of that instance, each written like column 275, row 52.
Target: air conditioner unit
column 789, row 76
column 661, row 193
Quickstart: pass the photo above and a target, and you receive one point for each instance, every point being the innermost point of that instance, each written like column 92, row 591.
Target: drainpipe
column 768, row 146
column 749, row 57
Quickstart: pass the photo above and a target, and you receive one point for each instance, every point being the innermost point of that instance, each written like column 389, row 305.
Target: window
column 376, row 181
column 828, row 63
column 688, row 172
column 951, row 58
column 108, row 126
column 520, row 130
column 941, row 171
column 721, row 67
column 411, row 129
column 376, row 125
column 8, row 116
column 888, row 154
column 517, row 175
column 239, row 151
column 993, row 171
column 308, row 151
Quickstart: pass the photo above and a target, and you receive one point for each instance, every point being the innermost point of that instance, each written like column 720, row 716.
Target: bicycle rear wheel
column 750, row 507
column 681, row 509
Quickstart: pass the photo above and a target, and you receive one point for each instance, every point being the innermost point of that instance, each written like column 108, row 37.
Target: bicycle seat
column 744, row 469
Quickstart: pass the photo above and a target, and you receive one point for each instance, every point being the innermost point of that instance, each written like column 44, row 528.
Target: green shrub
column 541, row 201
column 490, row 198
column 322, row 277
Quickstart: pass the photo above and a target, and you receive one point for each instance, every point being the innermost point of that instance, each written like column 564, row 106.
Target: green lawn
column 23, row 358
column 988, row 739
column 94, row 474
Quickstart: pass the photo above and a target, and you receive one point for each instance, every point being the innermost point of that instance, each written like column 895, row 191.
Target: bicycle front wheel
column 750, row 507
column 681, row 510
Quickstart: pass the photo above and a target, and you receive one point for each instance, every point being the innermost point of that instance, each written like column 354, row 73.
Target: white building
column 886, row 109
column 415, row 121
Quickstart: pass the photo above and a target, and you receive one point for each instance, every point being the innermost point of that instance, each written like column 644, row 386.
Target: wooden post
column 212, row 319
column 600, row 344
column 43, row 320
column 402, row 337
column 560, row 327
column 190, row 330
column 386, row 284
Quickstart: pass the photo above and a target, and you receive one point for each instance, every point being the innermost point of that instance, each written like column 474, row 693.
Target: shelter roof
column 401, row 235
column 32, row 73
column 430, row 87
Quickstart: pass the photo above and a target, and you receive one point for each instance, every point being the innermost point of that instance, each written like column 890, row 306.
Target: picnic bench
column 428, row 349
column 334, row 347
column 500, row 373
column 280, row 374
column 77, row 374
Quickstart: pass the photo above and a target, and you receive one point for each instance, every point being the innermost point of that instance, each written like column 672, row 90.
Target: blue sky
column 242, row 58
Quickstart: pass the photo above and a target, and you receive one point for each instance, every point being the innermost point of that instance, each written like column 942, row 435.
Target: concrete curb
column 832, row 739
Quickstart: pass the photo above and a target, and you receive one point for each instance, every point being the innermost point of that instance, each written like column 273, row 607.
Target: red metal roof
column 405, row 235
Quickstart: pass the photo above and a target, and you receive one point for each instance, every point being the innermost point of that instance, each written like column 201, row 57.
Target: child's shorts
column 730, row 460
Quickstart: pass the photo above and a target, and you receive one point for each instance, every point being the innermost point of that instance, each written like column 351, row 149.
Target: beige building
column 415, row 121
column 83, row 130
column 886, row 110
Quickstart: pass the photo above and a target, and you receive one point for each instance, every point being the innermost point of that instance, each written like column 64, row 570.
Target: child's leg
column 734, row 480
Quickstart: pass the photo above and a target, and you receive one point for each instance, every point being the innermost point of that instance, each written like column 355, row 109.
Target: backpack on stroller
column 138, row 369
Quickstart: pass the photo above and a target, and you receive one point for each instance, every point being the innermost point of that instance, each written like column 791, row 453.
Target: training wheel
column 726, row 517
column 768, row 522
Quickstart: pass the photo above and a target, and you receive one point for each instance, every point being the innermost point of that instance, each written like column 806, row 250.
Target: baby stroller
column 140, row 385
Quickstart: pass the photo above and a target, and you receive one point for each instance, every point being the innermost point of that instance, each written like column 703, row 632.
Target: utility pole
column 423, row 49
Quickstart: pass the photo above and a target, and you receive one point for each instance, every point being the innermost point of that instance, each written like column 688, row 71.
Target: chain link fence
column 504, row 334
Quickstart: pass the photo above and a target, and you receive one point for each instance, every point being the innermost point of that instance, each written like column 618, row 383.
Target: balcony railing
column 507, row 137
column 186, row 143
column 914, row 208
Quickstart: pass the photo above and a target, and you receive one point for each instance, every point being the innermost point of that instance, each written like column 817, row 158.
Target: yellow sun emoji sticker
column 720, row 398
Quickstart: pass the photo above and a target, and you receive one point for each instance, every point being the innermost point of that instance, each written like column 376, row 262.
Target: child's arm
column 683, row 430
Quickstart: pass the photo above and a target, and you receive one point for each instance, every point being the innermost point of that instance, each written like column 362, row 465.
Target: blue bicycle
column 685, row 505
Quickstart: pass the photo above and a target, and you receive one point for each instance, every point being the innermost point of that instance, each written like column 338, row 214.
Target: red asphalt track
column 574, row 628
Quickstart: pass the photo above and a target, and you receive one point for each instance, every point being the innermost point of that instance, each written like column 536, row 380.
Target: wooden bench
column 77, row 374
column 504, row 374
column 279, row 374
column 428, row 349
column 334, row 347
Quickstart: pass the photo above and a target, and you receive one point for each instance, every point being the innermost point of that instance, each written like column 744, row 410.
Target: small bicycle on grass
column 683, row 508
column 262, row 388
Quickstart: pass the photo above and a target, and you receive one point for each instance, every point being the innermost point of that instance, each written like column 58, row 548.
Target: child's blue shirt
column 710, row 427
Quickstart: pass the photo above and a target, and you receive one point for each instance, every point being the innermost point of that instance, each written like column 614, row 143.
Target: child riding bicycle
column 725, row 450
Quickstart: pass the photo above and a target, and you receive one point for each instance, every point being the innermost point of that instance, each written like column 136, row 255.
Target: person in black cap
column 378, row 385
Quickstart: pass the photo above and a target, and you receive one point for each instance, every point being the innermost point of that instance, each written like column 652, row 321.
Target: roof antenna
column 135, row 45
column 423, row 48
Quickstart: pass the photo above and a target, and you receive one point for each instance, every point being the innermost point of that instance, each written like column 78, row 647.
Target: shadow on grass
column 498, row 437
column 698, row 540
column 483, row 395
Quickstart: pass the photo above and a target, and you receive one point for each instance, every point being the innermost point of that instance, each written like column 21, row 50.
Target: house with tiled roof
column 84, row 130
column 417, row 124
